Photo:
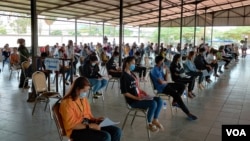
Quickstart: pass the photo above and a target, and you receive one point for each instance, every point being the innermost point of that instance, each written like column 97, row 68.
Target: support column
column 181, row 23
column 103, row 32
column 159, row 25
column 195, row 22
column 139, row 34
column 76, row 31
column 120, row 31
column 212, row 29
column 205, row 24
column 34, row 31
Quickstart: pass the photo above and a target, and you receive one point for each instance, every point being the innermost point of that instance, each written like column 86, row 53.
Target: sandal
column 158, row 125
column 153, row 128
column 190, row 95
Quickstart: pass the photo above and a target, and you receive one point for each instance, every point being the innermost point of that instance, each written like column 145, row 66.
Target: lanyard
column 80, row 107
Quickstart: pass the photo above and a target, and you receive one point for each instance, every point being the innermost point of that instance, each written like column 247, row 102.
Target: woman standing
column 24, row 56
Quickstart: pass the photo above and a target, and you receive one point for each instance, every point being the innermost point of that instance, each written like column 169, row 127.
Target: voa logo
column 236, row 132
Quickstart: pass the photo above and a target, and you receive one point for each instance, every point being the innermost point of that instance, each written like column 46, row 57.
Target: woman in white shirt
column 210, row 59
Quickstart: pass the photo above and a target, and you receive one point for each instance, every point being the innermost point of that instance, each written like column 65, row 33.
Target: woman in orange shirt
column 14, row 59
column 79, row 123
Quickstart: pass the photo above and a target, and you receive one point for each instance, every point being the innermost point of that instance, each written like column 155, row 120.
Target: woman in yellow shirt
column 78, row 121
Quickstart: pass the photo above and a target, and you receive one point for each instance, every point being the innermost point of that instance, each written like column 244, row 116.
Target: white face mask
column 83, row 95
column 93, row 64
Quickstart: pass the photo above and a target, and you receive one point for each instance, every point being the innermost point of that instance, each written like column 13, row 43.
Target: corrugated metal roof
column 139, row 12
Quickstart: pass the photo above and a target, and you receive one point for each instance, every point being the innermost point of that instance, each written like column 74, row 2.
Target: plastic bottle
column 185, row 94
column 165, row 104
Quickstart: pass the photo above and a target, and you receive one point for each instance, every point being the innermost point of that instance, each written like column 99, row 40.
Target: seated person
column 135, row 97
column 212, row 62
column 104, row 56
column 163, row 86
column 112, row 67
column 225, row 58
column 90, row 70
column 177, row 73
column 6, row 55
column 191, row 70
column 66, row 68
column 138, row 68
column 201, row 64
column 14, row 59
column 78, row 121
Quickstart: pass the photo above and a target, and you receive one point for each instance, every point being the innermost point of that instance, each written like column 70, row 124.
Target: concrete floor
column 225, row 101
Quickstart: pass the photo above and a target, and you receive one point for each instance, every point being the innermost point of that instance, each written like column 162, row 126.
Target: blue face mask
column 132, row 67
column 83, row 95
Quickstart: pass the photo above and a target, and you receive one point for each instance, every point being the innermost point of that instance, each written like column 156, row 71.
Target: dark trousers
column 115, row 74
column 196, row 74
column 190, row 81
column 109, row 133
column 176, row 90
column 215, row 66
column 28, row 73
column 141, row 71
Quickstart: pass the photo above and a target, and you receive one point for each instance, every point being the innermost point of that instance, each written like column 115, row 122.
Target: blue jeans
column 97, row 84
column 154, row 107
column 109, row 133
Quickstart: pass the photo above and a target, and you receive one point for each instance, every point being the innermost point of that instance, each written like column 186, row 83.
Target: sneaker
column 216, row 75
column 26, row 87
column 175, row 104
column 153, row 128
column 220, row 71
column 67, row 82
column 192, row 117
column 95, row 96
column 98, row 94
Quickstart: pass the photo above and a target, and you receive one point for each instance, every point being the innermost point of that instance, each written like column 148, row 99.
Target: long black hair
column 78, row 84
column 176, row 57
column 127, row 60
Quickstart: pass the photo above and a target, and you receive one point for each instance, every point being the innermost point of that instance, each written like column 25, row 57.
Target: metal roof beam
column 60, row 6
column 180, row 13
column 114, row 9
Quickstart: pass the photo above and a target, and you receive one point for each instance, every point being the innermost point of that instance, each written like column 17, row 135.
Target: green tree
column 20, row 25
column 72, row 33
column 56, row 33
column 3, row 30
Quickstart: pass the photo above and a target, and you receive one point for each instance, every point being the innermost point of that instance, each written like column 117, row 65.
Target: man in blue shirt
column 163, row 86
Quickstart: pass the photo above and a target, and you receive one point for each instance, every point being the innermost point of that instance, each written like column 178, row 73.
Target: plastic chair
column 25, row 65
column 136, row 110
column 162, row 95
column 58, row 120
column 14, row 68
column 43, row 95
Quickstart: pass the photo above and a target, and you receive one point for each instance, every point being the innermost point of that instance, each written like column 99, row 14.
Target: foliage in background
column 20, row 25
column 56, row 33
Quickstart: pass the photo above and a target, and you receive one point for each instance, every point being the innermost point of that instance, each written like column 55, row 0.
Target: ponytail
column 127, row 60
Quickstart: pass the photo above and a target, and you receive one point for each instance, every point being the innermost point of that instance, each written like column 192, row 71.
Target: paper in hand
column 107, row 122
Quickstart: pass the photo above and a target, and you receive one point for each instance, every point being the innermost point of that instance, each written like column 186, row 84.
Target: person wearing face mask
column 201, row 64
column 90, row 70
column 78, row 121
column 163, row 86
column 111, row 65
column 191, row 69
column 176, row 75
column 138, row 98
column 140, row 69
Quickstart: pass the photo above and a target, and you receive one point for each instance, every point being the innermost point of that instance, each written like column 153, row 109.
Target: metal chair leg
column 10, row 74
column 125, row 120
column 34, row 107
column 133, row 118
column 146, row 118
column 107, row 85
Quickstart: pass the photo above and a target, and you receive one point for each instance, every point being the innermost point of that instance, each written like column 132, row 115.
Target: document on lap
column 107, row 122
